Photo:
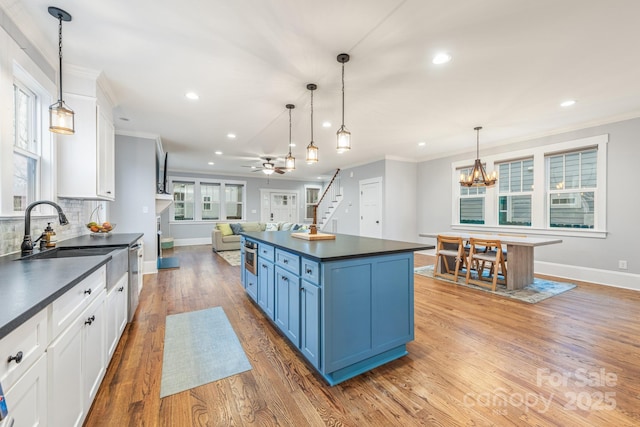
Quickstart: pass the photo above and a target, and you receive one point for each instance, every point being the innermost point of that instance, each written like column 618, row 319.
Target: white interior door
column 371, row 208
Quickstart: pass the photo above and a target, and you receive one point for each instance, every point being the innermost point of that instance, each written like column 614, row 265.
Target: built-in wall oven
column 136, row 264
column 251, row 257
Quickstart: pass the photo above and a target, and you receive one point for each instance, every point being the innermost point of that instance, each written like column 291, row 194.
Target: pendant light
column 312, row 150
column 290, row 161
column 478, row 177
column 61, row 117
column 344, row 136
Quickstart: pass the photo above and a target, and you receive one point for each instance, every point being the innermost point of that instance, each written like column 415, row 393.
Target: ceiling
column 513, row 63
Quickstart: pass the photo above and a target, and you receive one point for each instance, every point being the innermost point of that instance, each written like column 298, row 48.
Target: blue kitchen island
column 345, row 304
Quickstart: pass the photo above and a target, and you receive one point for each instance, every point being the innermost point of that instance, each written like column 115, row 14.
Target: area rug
column 232, row 257
column 539, row 290
column 199, row 347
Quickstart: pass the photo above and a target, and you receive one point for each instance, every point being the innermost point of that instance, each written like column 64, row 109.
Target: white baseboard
column 192, row 242
column 592, row 275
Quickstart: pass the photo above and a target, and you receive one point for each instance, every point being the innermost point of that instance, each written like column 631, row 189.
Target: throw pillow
column 295, row 227
column 236, row 228
column 225, row 229
column 272, row 226
column 286, row 226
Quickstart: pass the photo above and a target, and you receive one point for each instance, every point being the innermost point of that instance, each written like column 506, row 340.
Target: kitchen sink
column 69, row 253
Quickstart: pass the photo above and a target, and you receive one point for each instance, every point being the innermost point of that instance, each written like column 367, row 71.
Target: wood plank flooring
column 477, row 359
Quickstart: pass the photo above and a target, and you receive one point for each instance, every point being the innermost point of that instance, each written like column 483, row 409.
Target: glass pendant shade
column 344, row 140
column 312, row 154
column 290, row 162
column 344, row 136
column 478, row 176
column 61, row 118
column 268, row 171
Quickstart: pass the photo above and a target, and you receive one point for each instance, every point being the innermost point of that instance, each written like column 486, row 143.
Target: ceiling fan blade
column 280, row 171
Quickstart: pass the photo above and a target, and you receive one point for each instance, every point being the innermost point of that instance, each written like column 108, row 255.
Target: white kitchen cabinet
column 116, row 313
column 94, row 350
column 27, row 398
column 86, row 159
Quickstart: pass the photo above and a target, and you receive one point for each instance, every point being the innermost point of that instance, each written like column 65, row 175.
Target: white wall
column 594, row 259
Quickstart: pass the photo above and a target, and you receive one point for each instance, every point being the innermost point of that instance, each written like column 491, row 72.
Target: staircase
column 328, row 203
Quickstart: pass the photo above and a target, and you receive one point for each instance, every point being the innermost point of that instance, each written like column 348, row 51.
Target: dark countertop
column 111, row 239
column 28, row 286
column 344, row 246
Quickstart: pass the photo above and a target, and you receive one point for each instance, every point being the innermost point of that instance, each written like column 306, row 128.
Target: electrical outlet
column 622, row 264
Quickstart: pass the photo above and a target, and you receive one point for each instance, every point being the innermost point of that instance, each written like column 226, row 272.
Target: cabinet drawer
column 31, row 339
column 66, row 308
column 251, row 285
column 310, row 271
column 266, row 252
column 288, row 261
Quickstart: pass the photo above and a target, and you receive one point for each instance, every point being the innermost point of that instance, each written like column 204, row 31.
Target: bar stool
column 484, row 251
column 445, row 248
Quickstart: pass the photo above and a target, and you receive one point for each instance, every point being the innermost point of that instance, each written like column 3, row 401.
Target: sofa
column 225, row 236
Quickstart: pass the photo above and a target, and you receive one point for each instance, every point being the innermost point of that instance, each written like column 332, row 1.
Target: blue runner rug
column 199, row 347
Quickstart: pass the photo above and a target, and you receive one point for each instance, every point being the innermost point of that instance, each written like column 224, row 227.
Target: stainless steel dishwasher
column 136, row 254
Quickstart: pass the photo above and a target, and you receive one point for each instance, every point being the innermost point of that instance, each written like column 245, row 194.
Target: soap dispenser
column 49, row 236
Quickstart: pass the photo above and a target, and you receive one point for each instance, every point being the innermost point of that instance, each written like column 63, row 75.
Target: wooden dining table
column 519, row 252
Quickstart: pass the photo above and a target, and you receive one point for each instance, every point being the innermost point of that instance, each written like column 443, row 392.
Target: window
column 202, row 200
column 210, row 194
column 557, row 188
column 471, row 201
column 183, row 193
column 572, row 186
column 26, row 148
column 515, row 189
column 311, row 197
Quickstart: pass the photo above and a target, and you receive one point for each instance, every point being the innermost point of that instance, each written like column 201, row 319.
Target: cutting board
column 317, row 236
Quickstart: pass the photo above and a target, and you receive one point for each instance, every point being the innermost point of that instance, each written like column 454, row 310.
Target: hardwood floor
column 477, row 359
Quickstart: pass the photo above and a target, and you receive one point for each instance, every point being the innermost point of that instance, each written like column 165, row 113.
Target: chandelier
column 478, row 176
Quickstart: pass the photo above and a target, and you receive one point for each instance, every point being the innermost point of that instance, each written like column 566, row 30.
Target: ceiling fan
column 268, row 167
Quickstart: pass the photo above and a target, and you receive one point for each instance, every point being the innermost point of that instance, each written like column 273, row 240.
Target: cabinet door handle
column 309, row 271
column 285, row 278
column 108, row 192
column 121, row 288
column 286, row 261
column 17, row 358
column 90, row 320
column 87, row 291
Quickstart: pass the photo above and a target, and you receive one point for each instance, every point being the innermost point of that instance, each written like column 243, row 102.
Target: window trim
column 306, row 201
column 538, row 201
column 197, row 214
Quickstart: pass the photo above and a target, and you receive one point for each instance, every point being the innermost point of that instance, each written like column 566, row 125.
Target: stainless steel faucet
column 27, row 243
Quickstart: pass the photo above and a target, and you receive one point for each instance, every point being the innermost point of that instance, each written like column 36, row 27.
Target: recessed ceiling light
column 192, row 95
column 441, row 58
column 319, row 177
column 422, row 143
column 231, row 135
column 218, row 153
column 568, row 103
column 211, row 163
column 326, row 124
column 253, row 167
column 293, row 144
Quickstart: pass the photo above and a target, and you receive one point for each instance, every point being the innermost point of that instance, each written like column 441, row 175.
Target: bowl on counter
column 101, row 229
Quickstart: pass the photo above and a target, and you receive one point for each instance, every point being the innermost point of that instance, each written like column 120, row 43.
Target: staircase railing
column 326, row 200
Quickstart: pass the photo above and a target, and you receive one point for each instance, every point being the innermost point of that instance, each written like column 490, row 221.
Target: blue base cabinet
column 346, row 316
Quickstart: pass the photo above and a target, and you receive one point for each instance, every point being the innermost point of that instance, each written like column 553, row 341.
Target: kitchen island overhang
column 345, row 304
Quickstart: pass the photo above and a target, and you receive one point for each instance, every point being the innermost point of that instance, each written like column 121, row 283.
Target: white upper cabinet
column 86, row 159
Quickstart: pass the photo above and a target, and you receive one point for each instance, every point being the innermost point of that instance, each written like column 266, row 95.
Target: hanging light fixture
column 290, row 161
column 60, row 116
column 312, row 150
column 478, row 177
column 344, row 136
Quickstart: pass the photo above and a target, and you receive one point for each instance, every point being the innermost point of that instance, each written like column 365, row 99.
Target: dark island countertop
column 345, row 246
column 28, row 286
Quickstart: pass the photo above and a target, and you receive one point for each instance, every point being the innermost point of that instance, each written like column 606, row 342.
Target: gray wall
column 134, row 209
column 623, row 203
column 254, row 185
column 400, row 205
